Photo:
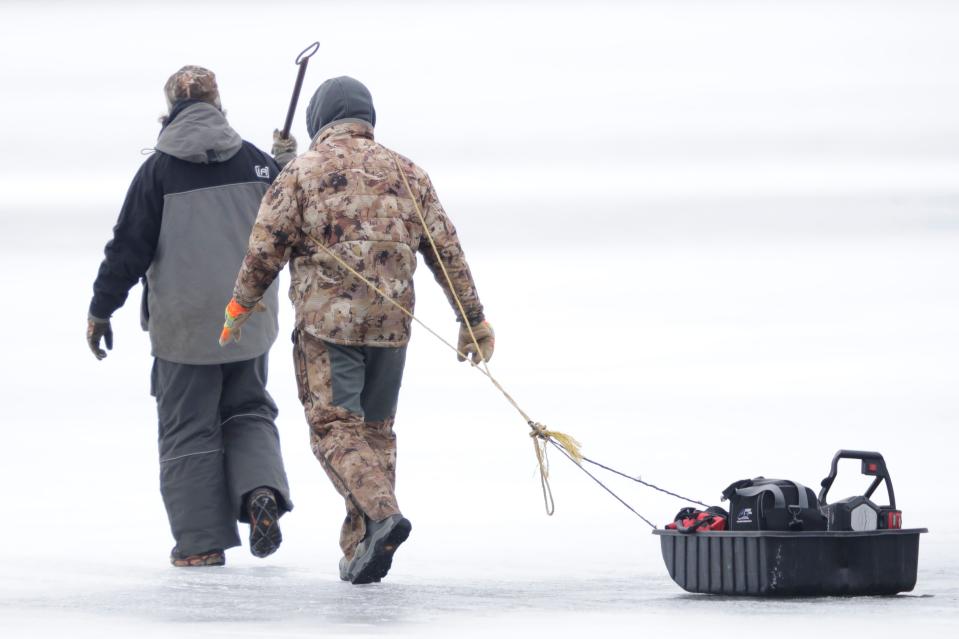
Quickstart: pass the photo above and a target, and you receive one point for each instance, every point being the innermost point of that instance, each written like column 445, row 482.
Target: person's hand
column 97, row 328
column 235, row 316
column 285, row 147
column 484, row 337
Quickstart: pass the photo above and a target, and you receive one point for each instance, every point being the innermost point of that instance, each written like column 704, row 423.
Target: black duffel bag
column 773, row 504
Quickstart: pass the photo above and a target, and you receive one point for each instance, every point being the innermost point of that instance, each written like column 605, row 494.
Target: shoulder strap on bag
column 802, row 499
column 754, row 490
column 732, row 488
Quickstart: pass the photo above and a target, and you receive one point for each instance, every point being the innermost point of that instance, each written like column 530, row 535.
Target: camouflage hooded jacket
column 345, row 196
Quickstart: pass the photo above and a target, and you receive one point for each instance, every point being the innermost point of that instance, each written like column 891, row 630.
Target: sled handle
column 873, row 465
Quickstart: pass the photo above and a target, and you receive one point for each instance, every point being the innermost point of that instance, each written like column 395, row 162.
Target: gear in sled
column 779, row 539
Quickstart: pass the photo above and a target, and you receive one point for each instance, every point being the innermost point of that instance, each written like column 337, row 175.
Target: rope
column 630, row 477
column 540, row 435
column 543, row 461
column 639, row 480
column 606, row 488
column 439, row 260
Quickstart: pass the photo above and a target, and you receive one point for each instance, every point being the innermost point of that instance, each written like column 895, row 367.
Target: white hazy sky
column 535, row 102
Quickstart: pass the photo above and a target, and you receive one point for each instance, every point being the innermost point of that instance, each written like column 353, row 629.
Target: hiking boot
column 264, row 514
column 345, row 570
column 200, row 559
column 374, row 555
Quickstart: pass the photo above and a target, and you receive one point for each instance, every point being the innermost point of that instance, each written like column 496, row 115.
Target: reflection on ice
column 288, row 600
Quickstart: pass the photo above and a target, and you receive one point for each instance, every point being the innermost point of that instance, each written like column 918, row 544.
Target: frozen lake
column 761, row 350
column 716, row 240
column 285, row 601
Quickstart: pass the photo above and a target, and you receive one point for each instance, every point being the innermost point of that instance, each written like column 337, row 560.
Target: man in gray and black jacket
column 183, row 231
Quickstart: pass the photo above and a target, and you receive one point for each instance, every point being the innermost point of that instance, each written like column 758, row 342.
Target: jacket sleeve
column 277, row 230
column 128, row 255
column 451, row 254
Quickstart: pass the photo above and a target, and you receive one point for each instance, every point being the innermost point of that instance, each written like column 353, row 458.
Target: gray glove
column 97, row 328
column 283, row 150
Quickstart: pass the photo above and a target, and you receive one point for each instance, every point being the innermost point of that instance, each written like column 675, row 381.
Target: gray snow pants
column 217, row 443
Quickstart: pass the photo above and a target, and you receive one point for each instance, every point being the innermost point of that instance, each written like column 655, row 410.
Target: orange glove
column 484, row 337
column 234, row 317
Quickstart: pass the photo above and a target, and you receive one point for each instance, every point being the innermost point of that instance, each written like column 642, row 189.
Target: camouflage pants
column 349, row 394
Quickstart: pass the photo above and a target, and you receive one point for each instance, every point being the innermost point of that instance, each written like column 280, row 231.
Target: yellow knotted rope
column 540, row 434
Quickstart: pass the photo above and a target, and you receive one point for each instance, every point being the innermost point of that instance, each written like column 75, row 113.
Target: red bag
column 690, row 520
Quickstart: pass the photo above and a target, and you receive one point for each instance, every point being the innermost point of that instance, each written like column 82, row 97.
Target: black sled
column 862, row 551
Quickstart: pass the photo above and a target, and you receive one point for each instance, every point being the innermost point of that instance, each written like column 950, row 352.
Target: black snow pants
column 217, row 442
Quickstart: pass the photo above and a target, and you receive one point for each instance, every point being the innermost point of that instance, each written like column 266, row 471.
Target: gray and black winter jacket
column 183, row 230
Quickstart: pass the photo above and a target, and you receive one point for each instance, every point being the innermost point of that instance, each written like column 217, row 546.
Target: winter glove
column 97, row 328
column 284, row 149
column 234, row 317
column 484, row 337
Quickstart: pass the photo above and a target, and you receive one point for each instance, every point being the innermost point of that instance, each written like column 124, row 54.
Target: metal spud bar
column 301, row 61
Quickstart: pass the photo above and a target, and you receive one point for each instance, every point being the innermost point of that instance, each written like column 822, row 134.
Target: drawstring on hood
column 342, row 98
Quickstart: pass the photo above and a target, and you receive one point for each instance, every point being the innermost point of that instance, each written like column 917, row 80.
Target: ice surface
column 749, row 264
column 748, row 357
column 292, row 602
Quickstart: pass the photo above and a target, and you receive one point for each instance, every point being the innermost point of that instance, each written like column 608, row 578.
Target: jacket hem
column 203, row 361
column 356, row 342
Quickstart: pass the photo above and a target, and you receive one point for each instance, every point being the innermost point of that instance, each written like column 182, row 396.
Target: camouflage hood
column 341, row 98
column 198, row 132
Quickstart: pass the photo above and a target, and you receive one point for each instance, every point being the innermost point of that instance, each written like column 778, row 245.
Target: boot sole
column 345, row 576
column 380, row 557
column 201, row 560
column 265, row 536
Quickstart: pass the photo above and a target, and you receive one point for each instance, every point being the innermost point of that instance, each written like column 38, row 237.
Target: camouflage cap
column 192, row 83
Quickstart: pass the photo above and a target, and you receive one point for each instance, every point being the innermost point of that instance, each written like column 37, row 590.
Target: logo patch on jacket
column 262, row 171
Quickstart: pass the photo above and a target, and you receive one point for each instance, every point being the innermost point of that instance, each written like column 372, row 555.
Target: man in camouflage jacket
column 344, row 204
